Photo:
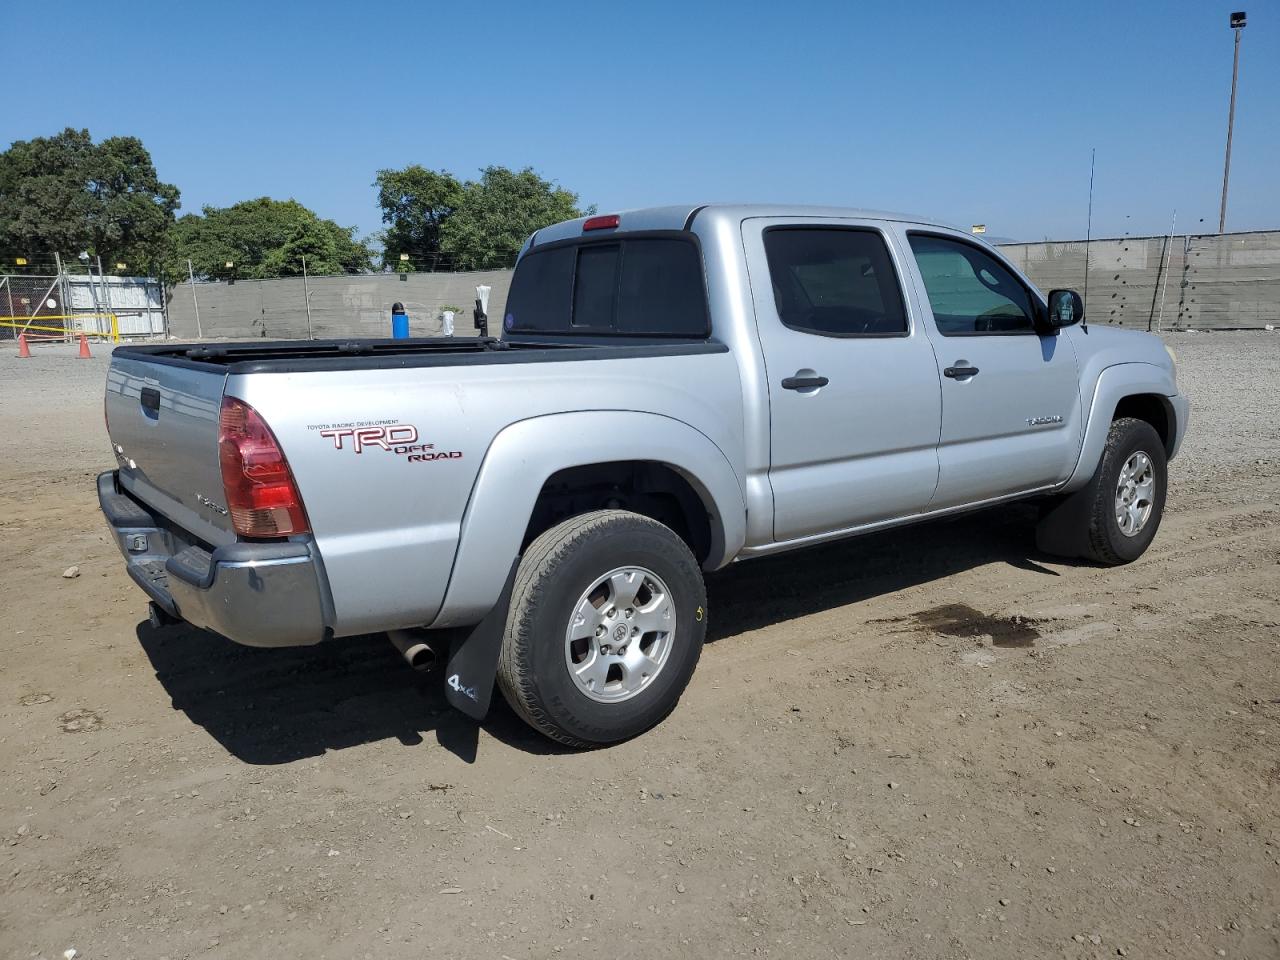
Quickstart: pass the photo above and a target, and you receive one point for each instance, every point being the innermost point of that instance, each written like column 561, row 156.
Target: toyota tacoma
column 675, row 389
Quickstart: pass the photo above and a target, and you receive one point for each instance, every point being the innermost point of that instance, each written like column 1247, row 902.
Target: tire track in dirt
column 826, row 787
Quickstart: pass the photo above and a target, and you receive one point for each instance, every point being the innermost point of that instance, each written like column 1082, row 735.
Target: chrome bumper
column 258, row 594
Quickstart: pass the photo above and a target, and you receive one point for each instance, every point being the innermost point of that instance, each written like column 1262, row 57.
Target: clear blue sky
column 974, row 112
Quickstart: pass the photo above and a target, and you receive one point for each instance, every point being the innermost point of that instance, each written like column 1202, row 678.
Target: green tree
column 262, row 238
column 65, row 194
column 498, row 213
column 415, row 201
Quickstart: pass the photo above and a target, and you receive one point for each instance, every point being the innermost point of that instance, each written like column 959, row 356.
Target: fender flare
column 525, row 454
column 1114, row 384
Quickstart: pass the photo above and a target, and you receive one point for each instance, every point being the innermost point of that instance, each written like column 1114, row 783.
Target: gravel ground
column 51, row 412
column 1234, row 387
column 931, row 743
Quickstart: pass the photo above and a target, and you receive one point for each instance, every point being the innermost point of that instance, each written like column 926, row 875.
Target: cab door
column 854, row 399
column 1010, row 393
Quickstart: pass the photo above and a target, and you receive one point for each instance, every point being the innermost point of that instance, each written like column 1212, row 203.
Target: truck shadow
column 278, row 706
column 769, row 590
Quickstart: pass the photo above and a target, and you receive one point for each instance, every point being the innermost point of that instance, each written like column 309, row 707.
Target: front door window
column 970, row 291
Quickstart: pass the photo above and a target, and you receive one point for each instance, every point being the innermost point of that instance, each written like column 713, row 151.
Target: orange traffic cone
column 84, row 348
column 24, row 352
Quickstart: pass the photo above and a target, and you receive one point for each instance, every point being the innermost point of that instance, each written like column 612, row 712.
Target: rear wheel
column 606, row 624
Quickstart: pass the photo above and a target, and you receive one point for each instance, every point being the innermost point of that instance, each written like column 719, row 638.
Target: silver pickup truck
column 675, row 389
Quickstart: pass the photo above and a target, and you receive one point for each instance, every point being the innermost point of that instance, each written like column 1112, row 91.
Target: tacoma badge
column 215, row 507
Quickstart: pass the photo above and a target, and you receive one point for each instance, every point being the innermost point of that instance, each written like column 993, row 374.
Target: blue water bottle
column 399, row 322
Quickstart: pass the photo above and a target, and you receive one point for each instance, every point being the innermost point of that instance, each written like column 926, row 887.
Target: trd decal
column 426, row 452
column 400, row 439
column 361, row 437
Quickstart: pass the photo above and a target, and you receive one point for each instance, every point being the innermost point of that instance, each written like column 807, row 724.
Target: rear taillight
column 261, row 494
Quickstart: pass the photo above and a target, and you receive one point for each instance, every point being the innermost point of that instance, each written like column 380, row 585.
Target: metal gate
column 67, row 305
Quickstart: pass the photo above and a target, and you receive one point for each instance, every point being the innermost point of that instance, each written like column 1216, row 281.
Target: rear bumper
column 258, row 594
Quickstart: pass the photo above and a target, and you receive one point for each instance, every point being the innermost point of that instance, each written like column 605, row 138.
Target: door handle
column 150, row 399
column 803, row 383
column 960, row 373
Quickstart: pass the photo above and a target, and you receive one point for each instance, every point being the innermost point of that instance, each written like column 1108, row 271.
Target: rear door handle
column 150, row 398
column 960, row 373
column 803, row 383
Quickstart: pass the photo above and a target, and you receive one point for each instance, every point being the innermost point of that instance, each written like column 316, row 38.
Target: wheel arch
column 531, row 459
column 1139, row 390
column 1155, row 409
column 651, row 488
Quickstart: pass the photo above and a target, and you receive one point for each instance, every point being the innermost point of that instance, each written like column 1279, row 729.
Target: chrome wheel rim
column 620, row 634
column 1135, row 494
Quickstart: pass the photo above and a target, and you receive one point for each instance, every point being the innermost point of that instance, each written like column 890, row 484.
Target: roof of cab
column 680, row 217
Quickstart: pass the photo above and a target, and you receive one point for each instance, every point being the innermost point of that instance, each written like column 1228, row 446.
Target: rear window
column 595, row 287
column 643, row 286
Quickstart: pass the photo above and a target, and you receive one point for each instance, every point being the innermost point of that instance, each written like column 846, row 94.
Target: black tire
column 1107, row 543
column 553, row 574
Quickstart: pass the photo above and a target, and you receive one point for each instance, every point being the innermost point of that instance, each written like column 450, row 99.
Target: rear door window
column 835, row 282
column 638, row 286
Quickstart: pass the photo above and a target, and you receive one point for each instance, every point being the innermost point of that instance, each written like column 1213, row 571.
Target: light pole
column 306, row 295
column 1238, row 23
column 93, row 291
column 195, row 301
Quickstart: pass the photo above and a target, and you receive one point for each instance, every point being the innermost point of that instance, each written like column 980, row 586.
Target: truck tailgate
column 163, row 422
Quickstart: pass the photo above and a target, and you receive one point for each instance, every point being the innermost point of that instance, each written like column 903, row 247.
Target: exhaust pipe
column 158, row 617
column 418, row 651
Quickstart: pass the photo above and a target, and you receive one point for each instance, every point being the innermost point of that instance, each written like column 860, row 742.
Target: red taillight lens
column 606, row 222
column 261, row 494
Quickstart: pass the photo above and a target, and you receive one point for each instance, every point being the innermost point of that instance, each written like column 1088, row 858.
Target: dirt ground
column 930, row 743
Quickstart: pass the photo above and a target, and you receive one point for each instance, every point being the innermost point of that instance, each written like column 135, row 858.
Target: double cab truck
column 675, row 389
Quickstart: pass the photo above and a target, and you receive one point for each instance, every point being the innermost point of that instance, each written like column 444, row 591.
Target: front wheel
column 1129, row 493
column 606, row 624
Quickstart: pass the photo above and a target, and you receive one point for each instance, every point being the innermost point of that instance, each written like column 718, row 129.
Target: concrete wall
column 349, row 306
column 1195, row 282
column 1187, row 282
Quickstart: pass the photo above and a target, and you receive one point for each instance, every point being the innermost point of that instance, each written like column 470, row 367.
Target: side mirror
column 1065, row 308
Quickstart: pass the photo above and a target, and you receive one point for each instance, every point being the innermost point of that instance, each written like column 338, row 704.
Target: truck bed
column 311, row 356
column 386, row 519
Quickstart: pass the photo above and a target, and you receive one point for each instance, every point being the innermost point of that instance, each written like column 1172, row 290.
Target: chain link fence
column 29, row 301
column 62, row 306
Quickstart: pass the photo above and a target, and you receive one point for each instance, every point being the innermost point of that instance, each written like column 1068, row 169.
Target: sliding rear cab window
column 631, row 286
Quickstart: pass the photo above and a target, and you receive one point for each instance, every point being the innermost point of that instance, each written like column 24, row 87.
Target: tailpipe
column 159, row 617
column 416, row 648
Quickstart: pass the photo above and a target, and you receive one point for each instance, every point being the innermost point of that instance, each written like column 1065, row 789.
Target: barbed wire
column 39, row 266
column 47, row 264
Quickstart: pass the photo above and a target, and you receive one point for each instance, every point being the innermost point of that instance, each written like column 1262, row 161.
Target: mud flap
column 473, row 660
column 1063, row 529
